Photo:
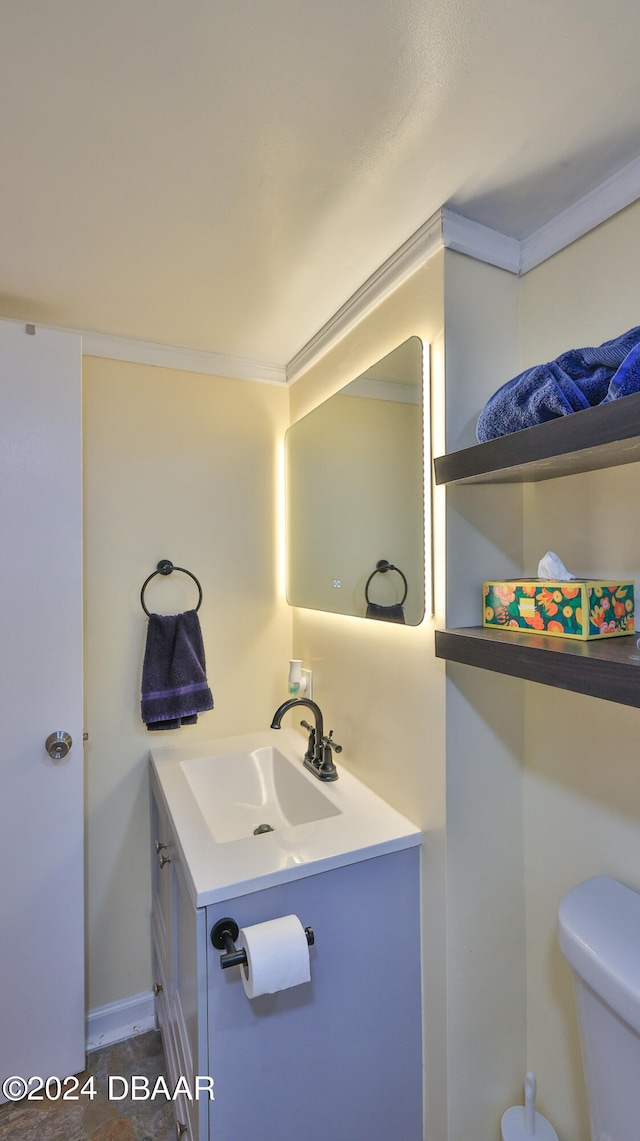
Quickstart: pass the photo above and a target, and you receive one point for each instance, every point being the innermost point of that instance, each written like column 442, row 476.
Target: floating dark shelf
column 600, row 437
column 603, row 669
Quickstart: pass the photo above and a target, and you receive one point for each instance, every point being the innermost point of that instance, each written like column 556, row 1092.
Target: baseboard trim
column 119, row 1020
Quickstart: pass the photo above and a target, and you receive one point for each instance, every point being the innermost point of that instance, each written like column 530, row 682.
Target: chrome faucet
column 318, row 758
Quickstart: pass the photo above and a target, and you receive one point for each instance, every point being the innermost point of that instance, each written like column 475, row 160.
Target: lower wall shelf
column 609, row 668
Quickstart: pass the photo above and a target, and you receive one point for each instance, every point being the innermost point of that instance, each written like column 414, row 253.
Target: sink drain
column 262, row 828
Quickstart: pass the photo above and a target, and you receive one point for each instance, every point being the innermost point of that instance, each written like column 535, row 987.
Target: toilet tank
column 599, row 933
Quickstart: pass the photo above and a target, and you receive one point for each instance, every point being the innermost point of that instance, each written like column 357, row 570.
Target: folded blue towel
column 578, row 379
column 174, row 682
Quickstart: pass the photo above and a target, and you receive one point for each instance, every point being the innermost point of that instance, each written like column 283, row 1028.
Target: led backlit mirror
column 355, row 495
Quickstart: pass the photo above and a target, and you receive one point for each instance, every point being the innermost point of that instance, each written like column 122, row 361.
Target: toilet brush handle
column 530, row 1105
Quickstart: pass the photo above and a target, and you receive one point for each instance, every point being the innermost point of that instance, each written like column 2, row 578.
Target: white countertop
column 362, row 827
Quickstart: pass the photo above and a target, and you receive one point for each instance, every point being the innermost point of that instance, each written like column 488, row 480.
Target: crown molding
column 406, row 260
column 480, row 242
column 450, row 230
column 521, row 255
column 172, row 356
column 446, row 229
column 608, row 198
column 111, row 347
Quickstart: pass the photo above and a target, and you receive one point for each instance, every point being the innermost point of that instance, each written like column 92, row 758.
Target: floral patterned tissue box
column 577, row 609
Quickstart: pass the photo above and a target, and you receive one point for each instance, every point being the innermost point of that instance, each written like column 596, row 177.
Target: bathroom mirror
column 354, row 478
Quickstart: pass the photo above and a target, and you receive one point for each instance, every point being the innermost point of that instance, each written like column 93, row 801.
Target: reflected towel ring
column 165, row 566
column 382, row 566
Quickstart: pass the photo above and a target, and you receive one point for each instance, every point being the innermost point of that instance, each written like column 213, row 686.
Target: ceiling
column 223, row 174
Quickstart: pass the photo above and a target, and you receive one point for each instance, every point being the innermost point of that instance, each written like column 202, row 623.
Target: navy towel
column 393, row 613
column 174, row 683
column 578, row 379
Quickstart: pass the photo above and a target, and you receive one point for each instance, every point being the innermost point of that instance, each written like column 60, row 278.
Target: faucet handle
column 327, row 769
column 331, row 743
column 311, row 746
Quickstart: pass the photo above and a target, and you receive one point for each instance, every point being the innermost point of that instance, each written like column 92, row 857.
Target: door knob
column 58, row 744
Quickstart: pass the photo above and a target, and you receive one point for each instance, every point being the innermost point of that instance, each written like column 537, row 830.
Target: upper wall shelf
column 600, row 437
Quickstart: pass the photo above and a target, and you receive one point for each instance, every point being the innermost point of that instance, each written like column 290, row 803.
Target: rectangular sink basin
column 238, row 793
column 219, row 793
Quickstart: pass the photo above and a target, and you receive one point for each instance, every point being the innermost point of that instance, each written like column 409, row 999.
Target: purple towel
column 393, row 613
column 174, row 683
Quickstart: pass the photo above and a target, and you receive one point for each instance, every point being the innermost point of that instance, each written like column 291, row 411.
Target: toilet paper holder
column 223, row 937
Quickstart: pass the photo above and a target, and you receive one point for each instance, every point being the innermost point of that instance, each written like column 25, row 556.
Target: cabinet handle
column 160, row 845
column 162, row 860
column 157, row 989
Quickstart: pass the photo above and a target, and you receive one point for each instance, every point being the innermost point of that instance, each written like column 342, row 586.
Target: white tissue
column 277, row 956
column 551, row 567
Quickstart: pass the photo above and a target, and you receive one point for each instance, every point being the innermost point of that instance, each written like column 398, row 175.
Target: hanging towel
column 393, row 613
column 174, row 682
column 580, row 378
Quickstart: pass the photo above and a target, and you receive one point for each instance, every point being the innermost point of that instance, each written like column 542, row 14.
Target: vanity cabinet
column 605, row 436
column 179, row 972
column 339, row 1057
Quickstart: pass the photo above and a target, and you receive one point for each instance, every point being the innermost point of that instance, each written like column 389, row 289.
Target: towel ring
column 382, row 566
column 165, row 566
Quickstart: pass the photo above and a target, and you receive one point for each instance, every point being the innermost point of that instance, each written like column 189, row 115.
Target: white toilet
column 599, row 933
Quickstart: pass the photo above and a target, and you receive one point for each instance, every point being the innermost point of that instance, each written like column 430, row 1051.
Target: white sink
column 238, row 793
column 218, row 793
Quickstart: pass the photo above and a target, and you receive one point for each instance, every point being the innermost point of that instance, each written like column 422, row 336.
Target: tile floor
column 99, row 1119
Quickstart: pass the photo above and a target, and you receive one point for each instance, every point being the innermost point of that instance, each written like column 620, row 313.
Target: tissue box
column 577, row 609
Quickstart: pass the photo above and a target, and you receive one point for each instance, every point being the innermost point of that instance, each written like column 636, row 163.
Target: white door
column 41, row 800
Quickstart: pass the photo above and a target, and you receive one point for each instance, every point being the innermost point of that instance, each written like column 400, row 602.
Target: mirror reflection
column 354, row 496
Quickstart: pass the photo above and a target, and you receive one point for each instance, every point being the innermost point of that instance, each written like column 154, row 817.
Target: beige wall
column 582, row 793
column 385, row 694
column 177, row 466
column 541, row 785
column 378, row 684
column 486, row 964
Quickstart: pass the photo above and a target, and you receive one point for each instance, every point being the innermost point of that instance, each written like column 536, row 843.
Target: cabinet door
column 339, row 1057
column 180, row 961
column 163, row 856
column 41, row 798
column 191, row 1001
column 186, row 973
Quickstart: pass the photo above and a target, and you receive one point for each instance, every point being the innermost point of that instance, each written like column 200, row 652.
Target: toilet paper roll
column 277, row 956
